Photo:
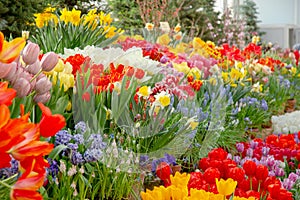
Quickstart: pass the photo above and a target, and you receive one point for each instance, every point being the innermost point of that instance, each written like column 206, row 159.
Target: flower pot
column 290, row 105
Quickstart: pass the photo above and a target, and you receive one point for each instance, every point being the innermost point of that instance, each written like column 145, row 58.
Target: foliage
column 17, row 15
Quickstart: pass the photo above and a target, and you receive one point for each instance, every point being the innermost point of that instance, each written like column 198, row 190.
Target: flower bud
column 43, row 98
column 22, row 86
column 43, row 85
column 31, row 53
column 12, row 72
column 6, row 68
column 49, row 61
column 34, row 68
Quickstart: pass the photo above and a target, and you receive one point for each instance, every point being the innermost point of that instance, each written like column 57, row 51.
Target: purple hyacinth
column 81, row 127
column 76, row 158
column 62, row 137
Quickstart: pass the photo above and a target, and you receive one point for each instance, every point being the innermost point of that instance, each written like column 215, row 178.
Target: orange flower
column 6, row 94
column 50, row 124
column 9, row 51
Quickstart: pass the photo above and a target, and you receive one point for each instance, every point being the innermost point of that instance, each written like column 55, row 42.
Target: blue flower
column 62, row 137
column 81, row 127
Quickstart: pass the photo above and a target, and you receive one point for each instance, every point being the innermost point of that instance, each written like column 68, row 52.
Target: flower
column 144, row 91
column 6, row 94
column 50, row 124
column 226, row 187
column 250, row 168
column 162, row 99
column 163, row 171
column 9, row 51
column 149, row 26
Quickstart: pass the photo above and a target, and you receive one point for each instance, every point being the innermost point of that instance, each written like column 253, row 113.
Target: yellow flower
column 144, row 91
column 195, row 72
column 149, row 26
column 65, row 15
column 75, row 17
column 177, row 36
column 25, row 35
column 293, row 71
column 164, row 39
column 91, row 19
column 164, row 100
column 226, row 187
column 177, row 28
column 110, row 31
column 66, row 80
column 213, row 81
column 198, row 194
column 198, row 43
column 105, row 19
column 182, row 67
column 243, row 198
column 180, row 180
column 225, row 76
column 235, row 74
column 69, row 106
column 60, row 66
column 256, row 87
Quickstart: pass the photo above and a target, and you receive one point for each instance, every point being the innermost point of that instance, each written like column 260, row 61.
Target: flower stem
column 36, row 75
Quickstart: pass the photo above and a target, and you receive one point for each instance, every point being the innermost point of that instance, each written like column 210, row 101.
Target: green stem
column 5, row 184
column 251, row 183
column 36, row 75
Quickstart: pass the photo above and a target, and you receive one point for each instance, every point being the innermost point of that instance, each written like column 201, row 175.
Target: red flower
column 211, row 174
column 236, row 173
column 76, row 61
column 50, row 124
column 261, row 172
column 86, row 96
column 250, row 168
column 196, row 180
column 163, row 171
column 203, row 164
column 252, row 193
column 217, row 154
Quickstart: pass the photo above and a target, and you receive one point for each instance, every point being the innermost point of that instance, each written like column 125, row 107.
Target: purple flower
column 62, row 137
column 78, row 138
column 288, row 184
column 265, row 151
column 240, row 147
column 76, row 158
column 279, row 171
column 92, row 155
column 249, row 152
column 264, row 105
column 293, row 177
column 81, row 127
column 253, row 144
column 53, row 169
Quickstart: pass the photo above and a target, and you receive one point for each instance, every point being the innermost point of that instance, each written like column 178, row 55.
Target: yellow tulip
column 226, row 187
column 164, row 39
column 199, row 194
column 9, row 51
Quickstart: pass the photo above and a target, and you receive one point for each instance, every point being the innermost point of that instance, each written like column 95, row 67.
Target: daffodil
column 257, row 87
column 162, row 99
column 9, row 51
column 149, row 26
column 144, row 91
column 177, row 28
column 226, row 187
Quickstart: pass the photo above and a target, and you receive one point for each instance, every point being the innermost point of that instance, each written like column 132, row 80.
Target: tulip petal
column 1, row 41
column 11, row 50
column 17, row 194
column 6, row 94
column 5, row 160
column 34, row 148
column 4, row 115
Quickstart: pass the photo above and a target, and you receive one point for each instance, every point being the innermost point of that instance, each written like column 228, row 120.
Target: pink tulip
column 42, row 98
column 43, row 85
column 34, row 68
column 31, row 53
column 49, row 61
column 6, row 68
column 22, row 86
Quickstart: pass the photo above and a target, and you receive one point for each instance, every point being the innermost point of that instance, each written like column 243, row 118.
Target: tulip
column 31, row 53
column 12, row 72
column 163, row 171
column 42, row 98
column 9, row 51
column 22, row 86
column 226, row 187
column 34, row 68
column 43, row 85
column 6, row 68
column 211, row 174
column 250, row 168
column 50, row 124
column 49, row 61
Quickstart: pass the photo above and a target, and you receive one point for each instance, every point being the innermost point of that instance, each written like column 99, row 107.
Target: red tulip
column 195, row 181
column 217, row 154
column 250, row 168
column 203, row 164
column 252, row 193
column 163, row 171
column 261, row 172
column 211, row 174
column 236, row 173
column 50, row 124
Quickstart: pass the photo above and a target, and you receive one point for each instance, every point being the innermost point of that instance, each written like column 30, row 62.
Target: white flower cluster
column 132, row 57
column 288, row 123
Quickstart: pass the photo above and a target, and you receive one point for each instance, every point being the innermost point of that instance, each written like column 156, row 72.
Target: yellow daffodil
column 9, row 51
column 69, row 106
column 195, row 72
column 177, row 36
column 164, row 39
column 226, row 187
column 105, row 19
column 293, row 71
column 75, row 17
column 110, row 31
column 164, row 100
column 225, row 76
column 144, row 91
column 236, row 74
column 149, row 26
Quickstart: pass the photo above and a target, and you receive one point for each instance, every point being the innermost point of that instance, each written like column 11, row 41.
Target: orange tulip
column 17, row 194
column 9, row 51
column 6, row 94
column 50, row 124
